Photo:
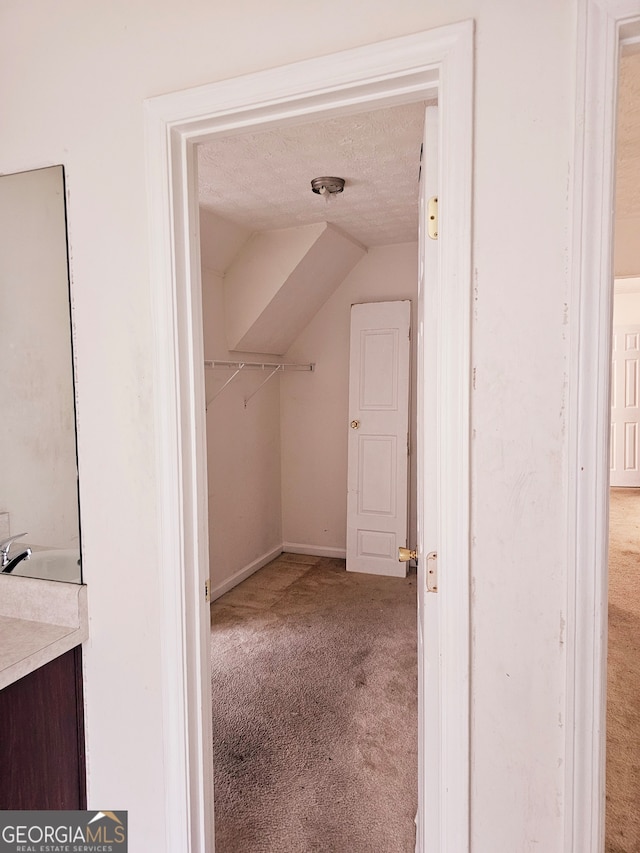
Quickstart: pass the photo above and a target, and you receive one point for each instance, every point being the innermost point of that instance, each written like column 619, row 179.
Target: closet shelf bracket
column 277, row 369
column 228, row 382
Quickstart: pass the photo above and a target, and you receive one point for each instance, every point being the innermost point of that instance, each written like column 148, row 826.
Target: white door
column 429, row 687
column 377, row 497
column 625, row 406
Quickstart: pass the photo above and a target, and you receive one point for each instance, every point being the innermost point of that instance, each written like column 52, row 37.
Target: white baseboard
column 314, row 550
column 244, row 573
column 290, row 547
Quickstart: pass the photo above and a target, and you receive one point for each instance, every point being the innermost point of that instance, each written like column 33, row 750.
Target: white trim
column 314, row 550
column 601, row 24
column 453, row 412
column 401, row 70
column 244, row 573
column 177, row 805
column 181, row 488
column 427, row 512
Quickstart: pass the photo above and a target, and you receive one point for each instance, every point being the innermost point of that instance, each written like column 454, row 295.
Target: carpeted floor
column 623, row 688
column 314, row 685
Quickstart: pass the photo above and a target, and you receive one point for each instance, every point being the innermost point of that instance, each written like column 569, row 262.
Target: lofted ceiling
column 262, row 181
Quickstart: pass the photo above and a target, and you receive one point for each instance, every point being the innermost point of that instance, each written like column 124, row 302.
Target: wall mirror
column 38, row 458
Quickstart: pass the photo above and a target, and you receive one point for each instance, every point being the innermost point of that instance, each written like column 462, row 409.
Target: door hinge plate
column 432, row 217
column 207, row 591
column 432, row 572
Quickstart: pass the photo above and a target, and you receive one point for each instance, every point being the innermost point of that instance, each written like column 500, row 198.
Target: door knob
column 406, row 554
column 355, row 424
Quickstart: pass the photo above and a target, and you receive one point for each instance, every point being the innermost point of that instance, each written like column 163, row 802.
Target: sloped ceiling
column 258, row 185
column 280, row 280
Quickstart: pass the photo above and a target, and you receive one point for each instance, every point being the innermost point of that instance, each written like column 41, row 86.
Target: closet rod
column 237, row 366
column 259, row 365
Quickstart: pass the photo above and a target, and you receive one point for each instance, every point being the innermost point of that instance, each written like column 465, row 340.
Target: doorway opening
column 622, row 824
column 281, row 268
column 279, row 448
column 418, row 67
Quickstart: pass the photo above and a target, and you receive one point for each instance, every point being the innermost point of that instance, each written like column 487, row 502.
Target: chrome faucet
column 23, row 555
column 8, row 564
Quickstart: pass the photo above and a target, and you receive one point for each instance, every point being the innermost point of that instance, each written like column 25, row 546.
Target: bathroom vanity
column 42, row 624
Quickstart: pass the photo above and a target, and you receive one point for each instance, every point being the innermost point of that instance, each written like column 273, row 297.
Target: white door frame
column 602, row 26
column 436, row 63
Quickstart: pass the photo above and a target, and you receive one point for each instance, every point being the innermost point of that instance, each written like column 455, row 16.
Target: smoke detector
column 327, row 186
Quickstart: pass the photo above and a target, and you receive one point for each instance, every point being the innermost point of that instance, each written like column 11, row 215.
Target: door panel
column 377, row 475
column 625, row 406
column 377, row 502
column 378, row 370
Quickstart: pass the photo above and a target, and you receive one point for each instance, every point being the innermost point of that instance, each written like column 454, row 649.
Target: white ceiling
column 262, row 180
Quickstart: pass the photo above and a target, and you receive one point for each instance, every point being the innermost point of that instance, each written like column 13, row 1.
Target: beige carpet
column 314, row 711
column 623, row 689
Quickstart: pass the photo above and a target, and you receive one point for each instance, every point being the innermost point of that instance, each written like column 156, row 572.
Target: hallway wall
column 73, row 80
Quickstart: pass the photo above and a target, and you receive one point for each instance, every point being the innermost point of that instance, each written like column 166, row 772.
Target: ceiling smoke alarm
column 327, row 186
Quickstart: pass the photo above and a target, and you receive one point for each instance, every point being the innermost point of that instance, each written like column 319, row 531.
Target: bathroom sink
column 58, row 564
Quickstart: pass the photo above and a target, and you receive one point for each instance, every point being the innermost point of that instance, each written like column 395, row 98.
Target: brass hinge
column 432, row 572
column 432, row 217
column 207, row 591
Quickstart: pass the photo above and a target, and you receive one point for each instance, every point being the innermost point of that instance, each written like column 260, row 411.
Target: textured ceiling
column 628, row 156
column 263, row 180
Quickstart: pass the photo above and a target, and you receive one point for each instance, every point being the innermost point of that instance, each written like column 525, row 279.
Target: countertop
column 39, row 621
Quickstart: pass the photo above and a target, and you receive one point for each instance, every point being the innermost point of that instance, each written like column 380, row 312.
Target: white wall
column 243, row 444
column 523, row 149
column 279, row 281
column 73, row 77
column 626, row 309
column 38, row 473
column 243, row 454
column 315, row 405
column 627, row 202
column 627, row 246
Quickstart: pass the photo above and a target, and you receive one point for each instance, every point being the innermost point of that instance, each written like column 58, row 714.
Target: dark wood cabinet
column 42, row 760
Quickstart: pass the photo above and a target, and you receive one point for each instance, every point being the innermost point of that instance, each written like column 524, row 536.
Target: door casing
column 423, row 66
column 603, row 25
